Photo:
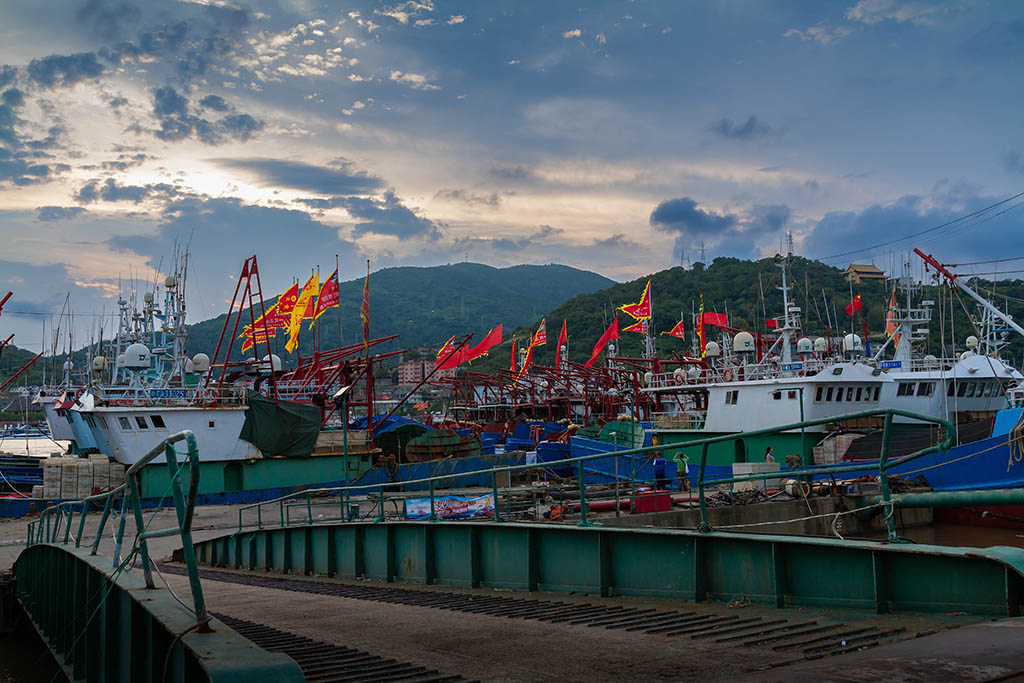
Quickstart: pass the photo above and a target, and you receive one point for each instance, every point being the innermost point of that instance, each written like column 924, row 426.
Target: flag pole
column 337, row 269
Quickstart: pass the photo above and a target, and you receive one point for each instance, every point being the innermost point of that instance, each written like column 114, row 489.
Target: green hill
column 429, row 305
column 731, row 285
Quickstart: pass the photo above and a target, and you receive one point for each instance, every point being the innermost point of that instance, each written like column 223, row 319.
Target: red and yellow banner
column 641, row 310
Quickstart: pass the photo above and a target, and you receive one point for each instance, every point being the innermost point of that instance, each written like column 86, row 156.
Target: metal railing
column 377, row 493
column 57, row 518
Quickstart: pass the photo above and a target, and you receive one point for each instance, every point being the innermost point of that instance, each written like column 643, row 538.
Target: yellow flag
column 299, row 312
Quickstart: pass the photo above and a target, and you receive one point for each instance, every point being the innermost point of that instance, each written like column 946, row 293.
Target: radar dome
column 119, row 362
column 201, row 362
column 148, row 297
column 966, row 354
column 99, row 363
column 136, row 356
column 853, row 344
column 930, row 360
column 743, row 342
column 275, row 362
column 712, row 350
column 170, row 282
column 972, row 342
column 820, row 345
column 804, row 345
column 190, row 367
column 648, row 377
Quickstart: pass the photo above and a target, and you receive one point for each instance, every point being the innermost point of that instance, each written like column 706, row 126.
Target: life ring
column 681, row 380
column 727, row 374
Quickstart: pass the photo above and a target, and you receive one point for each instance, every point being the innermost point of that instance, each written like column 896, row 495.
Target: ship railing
column 434, row 508
column 725, row 372
column 55, row 523
column 177, row 396
column 92, row 616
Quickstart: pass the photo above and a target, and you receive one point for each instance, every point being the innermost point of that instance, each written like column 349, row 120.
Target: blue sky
column 614, row 136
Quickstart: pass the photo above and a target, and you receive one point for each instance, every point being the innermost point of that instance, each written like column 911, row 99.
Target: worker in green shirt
column 682, row 470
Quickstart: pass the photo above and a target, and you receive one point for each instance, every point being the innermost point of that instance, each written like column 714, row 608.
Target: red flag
column 772, row 323
column 638, row 327
column 611, row 333
column 854, row 306
column 281, row 316
column 563, row 338
column 512, row 367
column 448, row 357
column 716, row 319
column 641, row 310
column 677, row 331
column 540, row 337
column 890, row 321
column 526, row 363
column 328, row 295
column 492, row 339
column 364, row 311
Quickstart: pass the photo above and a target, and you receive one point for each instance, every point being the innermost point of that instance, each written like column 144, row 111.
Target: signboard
column 168, row 393
column 887, row 364
column 450, row 507
column 788, row 367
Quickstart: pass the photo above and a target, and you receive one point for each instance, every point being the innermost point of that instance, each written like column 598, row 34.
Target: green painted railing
column 379, row 491
column 104, row 624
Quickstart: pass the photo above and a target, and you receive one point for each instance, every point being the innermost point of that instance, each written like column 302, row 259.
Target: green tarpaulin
column 282, row 428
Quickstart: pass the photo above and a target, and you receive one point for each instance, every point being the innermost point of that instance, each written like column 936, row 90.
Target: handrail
column 46, row 529
column 884, row 465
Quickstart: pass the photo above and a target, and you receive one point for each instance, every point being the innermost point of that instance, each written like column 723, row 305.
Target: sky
column 617, row 137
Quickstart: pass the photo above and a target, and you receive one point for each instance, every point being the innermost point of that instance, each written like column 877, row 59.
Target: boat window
column 776, row 395
column 971, row 386
column 961, row 391
column 839, row 394
column 951, row 389
column 141, row 421
column 158, row 422
column 877, row 390
column 925, row 388
column 102, row 420
column 860, row 391
column 792, row 394
column 90, row 420
column 905, row 389
column 817, row 393
column 828, row 394
column 213, row 425
column 125, row 424
column 867, row 393
column 849, row 393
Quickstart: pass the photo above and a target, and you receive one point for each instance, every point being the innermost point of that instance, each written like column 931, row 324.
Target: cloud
column 215, row 102
column 13, row 98
column 7, row 74
column 21, row 168
column 108, row 20
column 768, row 218
column 512, row 173
column 492, row 200
column 112, row 191
column 819, row 33
column 58, row 213
column 65, row 70
column 456, row 19
column 682, row 216
column 173, row 112
column 876, row 11
column 341, row 179
column 387, row 216
column 751, row 128
column 414, row 81
column 616, row 241
column 573, row 33
column 285, row 241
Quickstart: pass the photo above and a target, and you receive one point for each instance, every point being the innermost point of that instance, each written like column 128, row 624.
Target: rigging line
column 928, row 230
column 976, row 263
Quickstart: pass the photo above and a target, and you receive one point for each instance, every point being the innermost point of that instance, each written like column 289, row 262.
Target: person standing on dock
column 768, row 457
column 682, row 471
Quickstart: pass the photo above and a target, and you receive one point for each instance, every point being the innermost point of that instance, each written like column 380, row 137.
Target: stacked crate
column 69, row 478
column 100, row 472
column 116, row 474
column 83, row 482
column 51, row 477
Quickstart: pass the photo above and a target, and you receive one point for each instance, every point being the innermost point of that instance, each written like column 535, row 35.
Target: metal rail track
column 809, row 638
column 323, row 662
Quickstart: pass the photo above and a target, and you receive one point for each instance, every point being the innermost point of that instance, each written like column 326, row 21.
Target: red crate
column 659, row 501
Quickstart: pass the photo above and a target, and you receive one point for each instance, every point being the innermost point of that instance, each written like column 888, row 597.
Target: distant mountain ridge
column 427, row 305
